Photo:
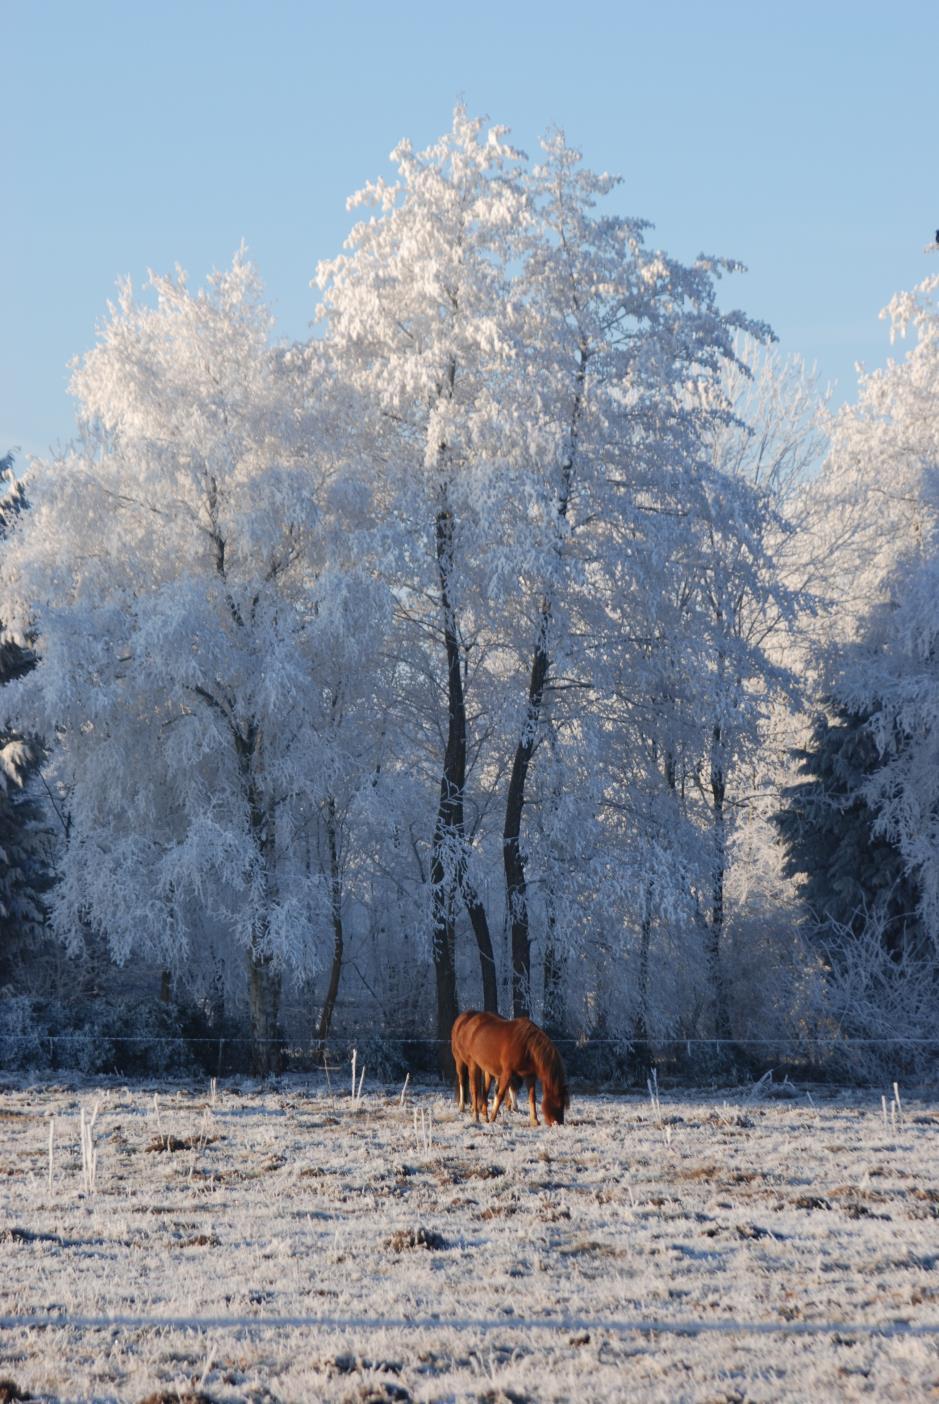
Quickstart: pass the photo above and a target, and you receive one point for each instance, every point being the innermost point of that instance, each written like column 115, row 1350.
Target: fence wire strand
column 636, row 1326
column 625, row 1044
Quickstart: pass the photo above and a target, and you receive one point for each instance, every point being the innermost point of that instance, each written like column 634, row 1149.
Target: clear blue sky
column 800, row 138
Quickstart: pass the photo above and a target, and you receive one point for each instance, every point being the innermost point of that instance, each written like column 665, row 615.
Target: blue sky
column 799, row 138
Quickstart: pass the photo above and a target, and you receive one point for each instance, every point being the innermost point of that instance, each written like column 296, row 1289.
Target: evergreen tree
column 856, row 878
column 23, row 834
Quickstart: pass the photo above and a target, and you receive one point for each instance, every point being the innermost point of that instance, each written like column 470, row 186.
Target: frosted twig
column 423, row 1128
column 652, row 1085
column 209, row 1362
column 156, row 1113
column 89, row 1153
column 357, row 1090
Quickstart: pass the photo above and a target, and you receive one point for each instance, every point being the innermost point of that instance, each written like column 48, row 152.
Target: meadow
column 297, row 1242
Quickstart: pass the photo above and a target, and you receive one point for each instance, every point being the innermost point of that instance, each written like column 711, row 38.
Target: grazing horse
column 486, row 1046
column 463, row 1093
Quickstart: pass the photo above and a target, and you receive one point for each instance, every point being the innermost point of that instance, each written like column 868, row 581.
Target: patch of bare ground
column 175, row 1396
column 173, row 1144
column 419, row 1237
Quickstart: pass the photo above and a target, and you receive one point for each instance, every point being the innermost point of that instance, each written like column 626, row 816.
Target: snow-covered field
column 285, row 1245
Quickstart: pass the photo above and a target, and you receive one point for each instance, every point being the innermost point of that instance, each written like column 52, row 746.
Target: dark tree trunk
column 487, row 959
column 264, row 979
column 448, row 859
column 444, row 952
column 335, row 902
column 447, row 853
column 645, row 944
column 516, row 892
column 553, row 970
column 513, row 859
column 264, row 999
column 645, row 930
column 264, row 976
column 715, row 929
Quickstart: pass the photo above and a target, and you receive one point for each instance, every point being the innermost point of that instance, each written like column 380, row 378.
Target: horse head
column 553, row 1103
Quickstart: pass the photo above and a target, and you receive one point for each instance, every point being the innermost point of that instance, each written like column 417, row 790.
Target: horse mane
column 548, row 1061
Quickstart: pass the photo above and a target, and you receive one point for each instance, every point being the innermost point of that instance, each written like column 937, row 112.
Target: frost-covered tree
column 457, row 619
column 889, row 674
column 417, row 322
column 625, row 350
column 543, row 390
column 752, row 587
column 864, row 826
column 192, row 598
column 870, row 506
column 892, row 678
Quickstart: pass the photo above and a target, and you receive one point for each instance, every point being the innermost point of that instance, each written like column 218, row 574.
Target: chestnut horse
column 486, row 1046
column 463, row 1094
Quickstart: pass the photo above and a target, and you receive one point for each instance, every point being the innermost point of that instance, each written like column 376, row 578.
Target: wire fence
column 610, row 1061
column 625, row 1044
column 633, row 1326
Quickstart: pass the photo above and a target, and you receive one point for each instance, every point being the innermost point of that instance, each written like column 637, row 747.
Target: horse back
column 497, row 1045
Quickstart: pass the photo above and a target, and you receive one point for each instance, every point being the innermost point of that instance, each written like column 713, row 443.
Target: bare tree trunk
column 552, row 1015
column 715, row 928
column 264, row 979
column 448, row 858
column 487, row 959
column 335, row 902
column 645, row 930
column 264, row 976
column 645, row 945
column 513, row 859
column 516, row 892
column 264, row 1001
column 447, row 851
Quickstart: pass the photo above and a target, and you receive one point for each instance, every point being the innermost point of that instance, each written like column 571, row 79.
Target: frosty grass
column 293, row 1245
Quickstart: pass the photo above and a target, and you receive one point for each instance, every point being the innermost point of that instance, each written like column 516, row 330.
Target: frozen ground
column 296, row 1248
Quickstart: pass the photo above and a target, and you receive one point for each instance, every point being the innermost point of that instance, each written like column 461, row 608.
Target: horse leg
column 532, row 1113
column 475, row 1079
column 486, row 1082
column 460, row 1073
column 504, row 1081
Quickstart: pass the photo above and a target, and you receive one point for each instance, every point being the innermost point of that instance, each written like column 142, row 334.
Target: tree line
column 468, row 642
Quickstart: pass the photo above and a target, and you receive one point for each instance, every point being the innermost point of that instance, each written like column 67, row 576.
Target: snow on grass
column 291, row 1244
